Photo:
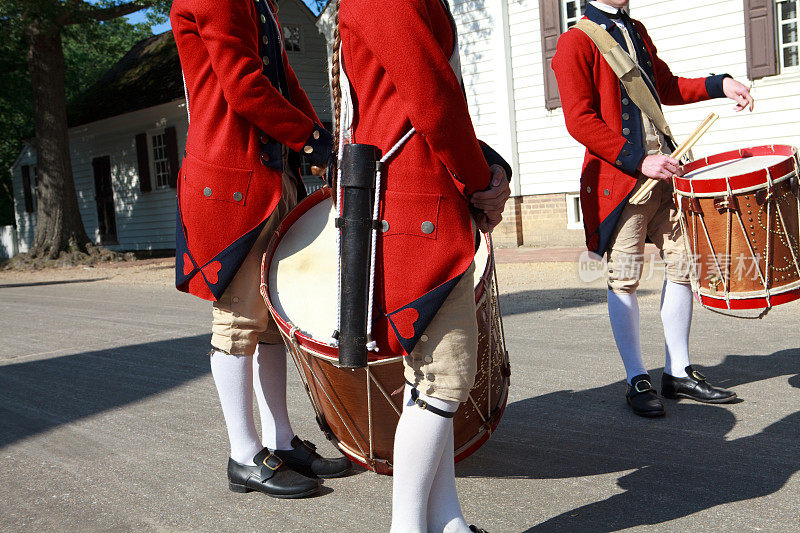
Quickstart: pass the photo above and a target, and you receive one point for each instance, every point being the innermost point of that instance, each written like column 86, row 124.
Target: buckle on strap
column 422, row 404
column 272, row 461
column 646, row 387
column 698, row 376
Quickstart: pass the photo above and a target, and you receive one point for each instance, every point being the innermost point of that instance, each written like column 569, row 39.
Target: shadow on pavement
column 532, row 301
column 36, row 396
column 43, row 283
column 682, row 464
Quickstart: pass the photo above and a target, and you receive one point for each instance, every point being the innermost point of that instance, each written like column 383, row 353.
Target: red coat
column 599, row 115
column 396, row 55
column 245, row 105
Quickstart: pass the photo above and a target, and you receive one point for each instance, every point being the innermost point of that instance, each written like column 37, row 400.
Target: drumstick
column 679, row 152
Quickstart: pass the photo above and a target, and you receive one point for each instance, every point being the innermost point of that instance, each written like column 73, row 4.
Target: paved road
column 109, row 421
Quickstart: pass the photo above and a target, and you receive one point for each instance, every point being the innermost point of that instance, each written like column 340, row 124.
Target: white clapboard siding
column 310, row 63
column 26, row 222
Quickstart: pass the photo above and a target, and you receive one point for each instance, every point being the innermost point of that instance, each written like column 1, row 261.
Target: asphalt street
column 109, row 420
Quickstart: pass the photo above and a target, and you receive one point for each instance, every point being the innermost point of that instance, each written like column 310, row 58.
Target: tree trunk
column 58, row 220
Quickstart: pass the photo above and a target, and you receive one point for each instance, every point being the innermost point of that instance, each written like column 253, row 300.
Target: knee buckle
column 422, row 404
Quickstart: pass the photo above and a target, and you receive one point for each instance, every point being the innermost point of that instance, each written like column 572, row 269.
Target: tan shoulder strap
column 628, row 73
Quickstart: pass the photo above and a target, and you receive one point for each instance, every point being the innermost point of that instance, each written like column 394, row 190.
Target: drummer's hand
column 660, row 167
column 494, row 198
column 738, row 92
column 318, row 171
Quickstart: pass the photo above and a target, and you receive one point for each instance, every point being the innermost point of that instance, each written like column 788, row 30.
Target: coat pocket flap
column 406, row 213
column 216, row 182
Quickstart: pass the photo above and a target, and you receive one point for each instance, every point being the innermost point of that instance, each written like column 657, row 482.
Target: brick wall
column 536, row 220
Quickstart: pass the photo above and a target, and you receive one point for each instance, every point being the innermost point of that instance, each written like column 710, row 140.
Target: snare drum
column 739, row 213
column 359, row 409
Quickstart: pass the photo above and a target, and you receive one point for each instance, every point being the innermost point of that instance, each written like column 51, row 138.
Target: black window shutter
column 143, row 158
column 26, row 188
column 550, row 23
column 759, row 29
column 171, row 142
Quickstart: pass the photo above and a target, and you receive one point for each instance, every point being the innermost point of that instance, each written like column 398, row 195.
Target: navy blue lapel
column 600, row 18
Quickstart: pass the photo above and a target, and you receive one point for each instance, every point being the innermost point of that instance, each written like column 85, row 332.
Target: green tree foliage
column 90, row 49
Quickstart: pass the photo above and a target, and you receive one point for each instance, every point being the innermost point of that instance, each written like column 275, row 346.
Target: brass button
column 264, row 139
column 626, row 131
column 237, row 196
column 427, row 227
column 207, row 192
column 618, row 163
column 265, row 59
column 263, row 19
column 307, row 149
column 588, row 190
column 626, row 153
column 625, row 101
column 428, row 359
column 315, row 134
column 423, row 338
column 603, row 26
column 606, row 192
column 625, row 116
column 264, row 39
column 430, row 377
column 384, row 226
column 236, row 299
column 264, row 159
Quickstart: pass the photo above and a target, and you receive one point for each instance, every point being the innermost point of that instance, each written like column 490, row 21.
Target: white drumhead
column 735, row 167
column 303, row 281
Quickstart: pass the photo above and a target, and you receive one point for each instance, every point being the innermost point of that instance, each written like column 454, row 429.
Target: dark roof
column 148, row 75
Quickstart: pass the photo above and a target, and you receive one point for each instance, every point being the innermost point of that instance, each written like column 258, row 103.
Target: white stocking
column 623, row 310
column 269, row 364
column 444, row 511
column 676, row 315
column 418, row 446
column 233, row 376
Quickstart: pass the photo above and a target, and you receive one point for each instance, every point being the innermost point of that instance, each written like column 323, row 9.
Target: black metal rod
column 355, row 224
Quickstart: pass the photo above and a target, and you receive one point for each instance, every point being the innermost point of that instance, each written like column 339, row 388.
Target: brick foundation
column 536, row 220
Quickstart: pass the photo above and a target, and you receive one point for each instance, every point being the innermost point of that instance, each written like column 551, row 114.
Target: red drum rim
column 757, row 302
column 712, row 187
column 311, row 345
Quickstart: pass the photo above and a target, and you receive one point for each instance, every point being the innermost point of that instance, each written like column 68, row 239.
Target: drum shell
column 361, row 419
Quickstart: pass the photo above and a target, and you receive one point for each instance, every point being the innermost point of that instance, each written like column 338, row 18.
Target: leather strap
column 628, row 72
column 422, row 404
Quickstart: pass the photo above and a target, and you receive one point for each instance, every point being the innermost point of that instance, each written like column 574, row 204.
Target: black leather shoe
column 303, row 458
column 642, row 398
column 270, row 476
column 694, row 387
column 476, row 529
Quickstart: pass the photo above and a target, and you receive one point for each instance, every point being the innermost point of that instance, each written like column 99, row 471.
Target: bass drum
column 359, row 409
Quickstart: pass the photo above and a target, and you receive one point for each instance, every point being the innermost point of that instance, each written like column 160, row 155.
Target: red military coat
column 245, row 106
column 599, row 115
column 396, row 54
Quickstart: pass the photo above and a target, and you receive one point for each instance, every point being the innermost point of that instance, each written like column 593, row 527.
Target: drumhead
column 735, row 167
column 303, row 282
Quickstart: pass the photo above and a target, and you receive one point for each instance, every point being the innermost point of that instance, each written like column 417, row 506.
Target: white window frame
column 151, row 159
column 574, row 213
column 568, row 22
column 300, row 43
column 780, row 44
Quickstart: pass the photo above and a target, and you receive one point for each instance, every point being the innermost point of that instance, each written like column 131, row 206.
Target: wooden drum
column 739, row 212
column 359, row 409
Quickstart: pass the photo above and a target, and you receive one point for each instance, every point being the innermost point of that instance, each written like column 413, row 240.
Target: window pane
column 788, row 10
column 790, row 56
column 789, row 32
column 571, row 10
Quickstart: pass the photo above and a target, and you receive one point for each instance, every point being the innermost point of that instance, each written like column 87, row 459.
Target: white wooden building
column 127, row 131
column 505, row 50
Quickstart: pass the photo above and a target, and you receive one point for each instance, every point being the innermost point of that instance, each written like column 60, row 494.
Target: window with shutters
column 787, row 21
column 292, row 37
column 555, row 17
column 159, row 161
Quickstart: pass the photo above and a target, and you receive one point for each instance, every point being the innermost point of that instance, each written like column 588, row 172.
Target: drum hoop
column 749, row 295
column 758, row 302
column 740, row 183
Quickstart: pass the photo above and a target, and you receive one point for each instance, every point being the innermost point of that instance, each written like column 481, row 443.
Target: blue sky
column 140, row 17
